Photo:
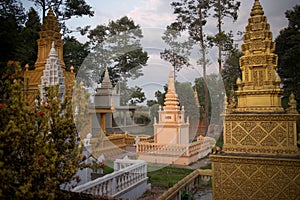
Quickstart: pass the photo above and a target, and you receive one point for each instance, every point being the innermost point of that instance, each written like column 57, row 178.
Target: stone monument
column 260, row 158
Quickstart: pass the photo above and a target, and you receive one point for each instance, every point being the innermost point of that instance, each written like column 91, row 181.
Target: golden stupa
column 260, row 158
column 50, row 33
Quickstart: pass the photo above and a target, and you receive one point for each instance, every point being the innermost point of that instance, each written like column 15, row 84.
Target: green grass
column 206, row 166
column 220, row 143
column 107, row 169
column 167, row 176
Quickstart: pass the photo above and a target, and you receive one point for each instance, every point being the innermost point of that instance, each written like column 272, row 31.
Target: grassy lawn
column 166, row 177
column 206, row 167
column 107, row 169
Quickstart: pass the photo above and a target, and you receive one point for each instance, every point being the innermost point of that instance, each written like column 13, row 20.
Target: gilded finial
column 292, row 104
column 26, row 67
column 50, row 12
column 257, row 9
column 239, row 83
column 225, row 103
column 72, row 68
column 112, row 107
column 232, row 102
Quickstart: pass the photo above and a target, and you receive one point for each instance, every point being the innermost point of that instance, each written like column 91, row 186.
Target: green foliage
column 223, row 40
column 137, row 96
column 231, row 70
column 288, row 50
column 160, row 96
column 191, row 16
column 65, row 9
column 39, row 145
column 74, row 53
column 12, row 16
column 186, row 98
column 142, row 119
column 131, row 96
column 151, row 102
column 187, row 196
column 116, row 45
column 215, row 87
column 177, row 54
column 26, row 51
column 209, row 166
column 166, row 177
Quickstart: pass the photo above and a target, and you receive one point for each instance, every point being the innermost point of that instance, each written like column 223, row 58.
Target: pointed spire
column 171, row 100
column 258, row 66
column 53, row 51
column 225, row 103
column 171, row 84
column 50, row 12
column 257, row 9
column 106, row 83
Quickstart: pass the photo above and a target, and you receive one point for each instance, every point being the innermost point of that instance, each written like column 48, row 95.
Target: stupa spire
column 53, row 51
column 171, row 100
column 50, row 32
column 258, row 90
column 256, row 9
column 106, row 83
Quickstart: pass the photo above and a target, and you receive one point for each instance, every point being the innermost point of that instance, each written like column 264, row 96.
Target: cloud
column 153, row 13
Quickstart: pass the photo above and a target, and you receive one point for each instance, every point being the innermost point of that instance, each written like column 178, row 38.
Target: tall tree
column 117, row 45
column 191, row 16
column 26, row 51
column 214, row 83
column 39, row 145
column 65, row 10
column 223, row 40
column 131, row 95
column 231, row 70
column 12, row 17
column 74, row 52
column 288, row 50
column 179, row 50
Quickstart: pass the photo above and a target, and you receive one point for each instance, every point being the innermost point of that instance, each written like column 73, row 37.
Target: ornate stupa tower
column 52, row 74
column 171, row 127
column 49, row 34
column 106, row 100
column 260, row 158
column 259, row 90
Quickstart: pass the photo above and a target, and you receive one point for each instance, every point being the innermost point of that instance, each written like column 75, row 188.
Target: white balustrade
column 127, row 173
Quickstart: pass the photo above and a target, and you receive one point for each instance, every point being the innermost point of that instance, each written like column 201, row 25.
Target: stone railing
column 132, row 140
column 127, row 174
column 155, row 148
column 175, row 149
column 190, row 184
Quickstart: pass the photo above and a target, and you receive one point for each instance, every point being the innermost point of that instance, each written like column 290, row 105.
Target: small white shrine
column 171, row 135
column 52, row 74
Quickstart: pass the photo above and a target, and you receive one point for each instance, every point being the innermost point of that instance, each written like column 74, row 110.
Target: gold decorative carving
column 241, row 177
column 260, row 158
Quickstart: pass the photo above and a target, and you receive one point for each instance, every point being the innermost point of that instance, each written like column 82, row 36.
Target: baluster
column 104, row 188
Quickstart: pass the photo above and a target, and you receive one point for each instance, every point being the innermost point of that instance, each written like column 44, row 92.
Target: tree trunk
column 219, row 40
column 203, row 61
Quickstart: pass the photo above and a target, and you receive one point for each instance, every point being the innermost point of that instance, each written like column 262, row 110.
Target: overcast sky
column 154, row 15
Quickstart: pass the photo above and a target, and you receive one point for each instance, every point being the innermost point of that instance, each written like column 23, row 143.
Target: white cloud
column 153, row 13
